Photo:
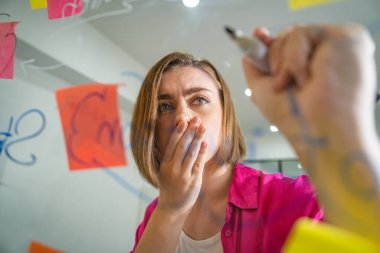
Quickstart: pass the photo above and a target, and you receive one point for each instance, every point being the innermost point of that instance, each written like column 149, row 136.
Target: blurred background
column 42, row 200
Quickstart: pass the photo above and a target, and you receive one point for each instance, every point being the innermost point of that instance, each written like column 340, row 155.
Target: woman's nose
column 183, row 113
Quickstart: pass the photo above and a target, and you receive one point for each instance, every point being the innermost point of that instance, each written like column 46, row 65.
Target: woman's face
column 184, row 93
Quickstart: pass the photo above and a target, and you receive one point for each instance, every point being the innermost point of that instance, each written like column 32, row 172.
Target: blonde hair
column 142, row 136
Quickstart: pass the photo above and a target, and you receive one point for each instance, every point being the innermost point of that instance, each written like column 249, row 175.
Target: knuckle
column 182, row 145
column 183, row 179
column 197, row 165
column 191, row 153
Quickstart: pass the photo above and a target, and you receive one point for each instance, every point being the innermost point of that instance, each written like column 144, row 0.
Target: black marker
column 253, row 48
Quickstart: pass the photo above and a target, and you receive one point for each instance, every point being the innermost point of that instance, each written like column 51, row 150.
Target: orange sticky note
column 7, row 49
column 91, row 126
column 36, row 247
column 63, row 8
column 38, row 4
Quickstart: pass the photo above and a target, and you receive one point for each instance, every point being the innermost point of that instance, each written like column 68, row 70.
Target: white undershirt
column 210, row 245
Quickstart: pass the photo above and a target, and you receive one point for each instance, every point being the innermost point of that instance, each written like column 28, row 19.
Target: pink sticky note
column 7, row 49
column 91, row 126
column 63, row 8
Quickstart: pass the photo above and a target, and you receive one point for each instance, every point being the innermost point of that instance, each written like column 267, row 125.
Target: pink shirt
column 262, row 209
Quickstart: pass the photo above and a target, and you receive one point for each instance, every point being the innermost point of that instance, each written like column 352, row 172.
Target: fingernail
column 181, row 126
column 196, row 120
column 201, row 129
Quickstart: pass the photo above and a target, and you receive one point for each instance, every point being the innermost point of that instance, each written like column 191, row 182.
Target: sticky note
column 91, row 126
column 299, row 4
column 311, row 237
column 63, row 8
column 7, row 49
column 38, row 4
column 36, row 247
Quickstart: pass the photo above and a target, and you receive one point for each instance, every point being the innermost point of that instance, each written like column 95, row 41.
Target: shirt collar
column 244, row 187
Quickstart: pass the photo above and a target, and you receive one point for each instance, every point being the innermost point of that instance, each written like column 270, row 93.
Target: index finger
column 263, row 35
column 173, row 141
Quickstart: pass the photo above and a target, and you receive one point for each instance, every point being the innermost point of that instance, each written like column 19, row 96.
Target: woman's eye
column 200, row 101
column 164, row 107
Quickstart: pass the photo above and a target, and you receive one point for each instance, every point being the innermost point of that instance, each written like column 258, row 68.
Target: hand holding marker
column 255, row 50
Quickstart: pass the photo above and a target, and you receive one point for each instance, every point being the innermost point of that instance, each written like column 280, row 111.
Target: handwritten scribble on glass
column 63, row 8
column 19, row 137
column 7, row 49
column 3, row 139
column 91, row 126
column 13, row 139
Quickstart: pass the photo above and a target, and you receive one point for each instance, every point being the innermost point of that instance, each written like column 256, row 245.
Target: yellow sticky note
column 38, row 4
column 311, row 237
column 299, row 4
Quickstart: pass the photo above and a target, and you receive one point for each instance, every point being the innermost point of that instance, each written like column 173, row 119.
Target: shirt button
column 227, row 233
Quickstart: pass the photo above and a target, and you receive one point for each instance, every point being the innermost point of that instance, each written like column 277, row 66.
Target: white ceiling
column 146, row 30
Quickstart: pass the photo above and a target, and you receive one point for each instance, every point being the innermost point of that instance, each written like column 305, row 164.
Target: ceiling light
column 248, row 92
column 190, row 3
column 273, row 128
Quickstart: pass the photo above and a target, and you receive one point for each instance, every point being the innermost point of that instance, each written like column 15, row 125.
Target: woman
column 187, row 143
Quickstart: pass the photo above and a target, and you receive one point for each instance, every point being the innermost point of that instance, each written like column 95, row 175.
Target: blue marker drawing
column 251, row 150
column 126, row 185
column 293, row 103
column 7, row 148
column 258, row 132
column 133, row 74
column 2, row 141
column 5, row 135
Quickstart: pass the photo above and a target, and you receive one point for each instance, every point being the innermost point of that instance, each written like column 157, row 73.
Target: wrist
column 171, row 214
column 325, row 149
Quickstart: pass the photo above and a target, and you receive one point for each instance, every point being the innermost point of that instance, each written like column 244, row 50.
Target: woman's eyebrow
column 187, row 92
column 164, row 96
